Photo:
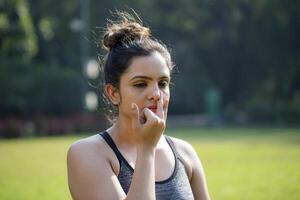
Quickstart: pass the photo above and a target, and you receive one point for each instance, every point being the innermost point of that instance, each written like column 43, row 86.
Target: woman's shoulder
column 88, row 148
column 93, row 142
column 193, row 167
column 182, row 145
column 187, row 155
column 89, row 168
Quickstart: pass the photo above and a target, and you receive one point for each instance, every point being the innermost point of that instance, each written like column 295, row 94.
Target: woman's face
column 145, row 81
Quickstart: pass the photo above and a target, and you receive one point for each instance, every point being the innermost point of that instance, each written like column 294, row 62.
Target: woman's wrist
column 146, row 150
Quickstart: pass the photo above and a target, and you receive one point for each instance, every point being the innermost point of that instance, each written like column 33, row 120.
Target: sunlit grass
column 239, row 164
column 34, row 169
column 250, row 163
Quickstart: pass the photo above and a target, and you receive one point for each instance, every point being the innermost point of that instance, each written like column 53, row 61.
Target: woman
column 133, row 159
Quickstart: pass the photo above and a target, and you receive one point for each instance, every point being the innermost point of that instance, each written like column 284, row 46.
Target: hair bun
column 125, row 31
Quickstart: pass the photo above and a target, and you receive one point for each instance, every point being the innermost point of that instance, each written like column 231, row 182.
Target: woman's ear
column 112, row 93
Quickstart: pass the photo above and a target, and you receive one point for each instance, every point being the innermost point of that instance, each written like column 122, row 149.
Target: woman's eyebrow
column 148, row 78
column 141, row 77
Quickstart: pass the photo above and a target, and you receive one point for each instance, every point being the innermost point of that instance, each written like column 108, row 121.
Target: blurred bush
column 247, row 50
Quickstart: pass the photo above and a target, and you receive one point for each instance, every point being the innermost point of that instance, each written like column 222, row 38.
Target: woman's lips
column 153, row 108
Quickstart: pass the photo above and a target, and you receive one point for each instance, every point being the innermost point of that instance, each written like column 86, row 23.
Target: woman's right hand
column 147, row 125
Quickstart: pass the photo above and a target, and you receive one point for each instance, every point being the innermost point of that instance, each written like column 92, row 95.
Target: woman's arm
column 198, row 180
column 91, row 176
column 148, row 132
column 194, row 168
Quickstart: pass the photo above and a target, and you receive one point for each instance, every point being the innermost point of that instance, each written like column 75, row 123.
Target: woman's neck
column 122, row 132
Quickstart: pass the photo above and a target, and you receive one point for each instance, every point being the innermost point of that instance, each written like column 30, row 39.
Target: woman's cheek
column 166, row 99
column 165, row 106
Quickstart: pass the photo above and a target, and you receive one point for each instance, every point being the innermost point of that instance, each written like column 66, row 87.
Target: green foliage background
column 247, row 50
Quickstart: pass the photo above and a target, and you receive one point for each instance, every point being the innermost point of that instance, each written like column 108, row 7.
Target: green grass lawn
column 240, row 164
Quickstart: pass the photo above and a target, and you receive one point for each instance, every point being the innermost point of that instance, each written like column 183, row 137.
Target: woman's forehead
column 153, row 65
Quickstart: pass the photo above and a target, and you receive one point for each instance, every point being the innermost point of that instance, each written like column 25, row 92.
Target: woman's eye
column 140, row 85
column 163, row 84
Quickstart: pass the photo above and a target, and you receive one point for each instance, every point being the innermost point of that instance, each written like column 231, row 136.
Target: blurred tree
column 39, row 67
column 247, row 49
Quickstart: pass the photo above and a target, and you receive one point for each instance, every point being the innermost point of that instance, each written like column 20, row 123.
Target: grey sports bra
column 176, row 187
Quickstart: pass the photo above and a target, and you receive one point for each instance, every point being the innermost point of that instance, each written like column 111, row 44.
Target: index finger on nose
column 160, row 109
column 135, row 115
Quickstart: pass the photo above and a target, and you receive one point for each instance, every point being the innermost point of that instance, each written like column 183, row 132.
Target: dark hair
column 125, row 39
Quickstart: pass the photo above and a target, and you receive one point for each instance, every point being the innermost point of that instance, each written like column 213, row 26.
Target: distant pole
column 84, row 46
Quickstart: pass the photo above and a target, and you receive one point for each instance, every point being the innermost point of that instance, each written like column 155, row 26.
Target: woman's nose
column 155, row 93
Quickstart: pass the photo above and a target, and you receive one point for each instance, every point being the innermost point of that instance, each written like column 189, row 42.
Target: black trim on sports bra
column 121, row 158
column 112, row 145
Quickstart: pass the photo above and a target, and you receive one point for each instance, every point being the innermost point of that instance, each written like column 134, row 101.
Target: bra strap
column 112, row 145
column 172, row 145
